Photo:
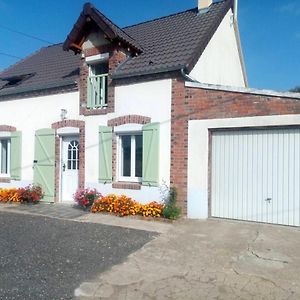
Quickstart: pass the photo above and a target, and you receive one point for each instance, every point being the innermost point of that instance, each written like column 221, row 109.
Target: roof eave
column 145, row 73
column 32, row 90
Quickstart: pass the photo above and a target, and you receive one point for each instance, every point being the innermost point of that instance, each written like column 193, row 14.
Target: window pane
column 100, row 69
column 4, row 156
column 138, row 155
column 126, row 155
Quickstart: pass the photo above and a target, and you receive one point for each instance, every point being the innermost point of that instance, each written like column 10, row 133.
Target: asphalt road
column 44, row 258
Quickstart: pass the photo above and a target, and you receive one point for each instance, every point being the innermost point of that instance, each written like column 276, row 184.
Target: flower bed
column 125, row 206
column 29, row 194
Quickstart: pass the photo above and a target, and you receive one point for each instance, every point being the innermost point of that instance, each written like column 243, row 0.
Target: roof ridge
column 52, row 45
column 160, row 18
column 116, row 25
column 171, row 15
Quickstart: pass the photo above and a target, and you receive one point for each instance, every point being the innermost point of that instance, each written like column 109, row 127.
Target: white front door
column 69, row 167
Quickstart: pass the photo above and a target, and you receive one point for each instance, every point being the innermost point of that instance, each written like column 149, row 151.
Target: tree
column 296, row 89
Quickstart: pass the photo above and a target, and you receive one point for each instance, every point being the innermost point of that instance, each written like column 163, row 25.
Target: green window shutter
column 105, row 154
column 151, row 154
column 44, row 162
column 16, row 155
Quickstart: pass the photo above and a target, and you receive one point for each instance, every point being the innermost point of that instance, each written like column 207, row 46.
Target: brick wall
column 198, row 104
column 116, row 56
column 7, row 128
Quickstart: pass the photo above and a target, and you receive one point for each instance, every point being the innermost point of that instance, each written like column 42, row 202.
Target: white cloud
column 291, row 8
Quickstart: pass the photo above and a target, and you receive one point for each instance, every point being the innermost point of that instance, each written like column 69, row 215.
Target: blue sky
column 270, row 31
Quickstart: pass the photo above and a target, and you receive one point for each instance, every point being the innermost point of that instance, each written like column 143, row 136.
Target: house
column 165, row 102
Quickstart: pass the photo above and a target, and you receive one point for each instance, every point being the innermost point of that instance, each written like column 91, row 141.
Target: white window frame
column 4, row 175
column 130, row 178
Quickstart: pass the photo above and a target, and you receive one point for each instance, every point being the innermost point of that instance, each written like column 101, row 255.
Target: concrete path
column 207, row 260
column 73, row 213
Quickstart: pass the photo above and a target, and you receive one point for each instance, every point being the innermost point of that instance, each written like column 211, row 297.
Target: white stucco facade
column 220, row 63
column 198, row 154
column 31, row 114
column 148, row 99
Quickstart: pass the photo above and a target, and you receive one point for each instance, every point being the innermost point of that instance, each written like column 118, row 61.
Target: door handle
column 268, row 200
column 64, row 167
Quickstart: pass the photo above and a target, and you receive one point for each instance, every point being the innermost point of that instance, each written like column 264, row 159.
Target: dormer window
column 16, row 80
column 97, row 84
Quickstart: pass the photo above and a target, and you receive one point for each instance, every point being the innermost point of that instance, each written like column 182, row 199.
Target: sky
column 270, row 31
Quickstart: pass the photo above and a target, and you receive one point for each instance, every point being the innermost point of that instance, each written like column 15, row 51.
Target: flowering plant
column 31, row 194
column 125, row 206
column 9, row 195
column 86, row 197
column 28, row 194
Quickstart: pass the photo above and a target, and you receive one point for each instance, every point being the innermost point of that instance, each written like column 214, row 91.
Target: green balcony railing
column 97, row 91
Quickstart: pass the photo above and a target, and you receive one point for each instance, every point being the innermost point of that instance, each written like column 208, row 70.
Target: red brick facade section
column 116, row 56
column 128, row 119
column 198, row 104
column 81, row 175
column 126, row 185
column 133, row 119
column 7, row 128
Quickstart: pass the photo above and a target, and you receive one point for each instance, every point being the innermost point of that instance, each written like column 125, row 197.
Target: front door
column 69, row 167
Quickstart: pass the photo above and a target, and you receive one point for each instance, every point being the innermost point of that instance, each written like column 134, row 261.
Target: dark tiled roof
column 173, row 42
column 51, row 67
column 167, row 44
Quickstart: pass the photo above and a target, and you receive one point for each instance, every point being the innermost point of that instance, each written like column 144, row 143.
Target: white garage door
column 256, row 175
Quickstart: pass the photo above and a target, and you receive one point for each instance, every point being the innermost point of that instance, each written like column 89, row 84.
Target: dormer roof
column 88, row 19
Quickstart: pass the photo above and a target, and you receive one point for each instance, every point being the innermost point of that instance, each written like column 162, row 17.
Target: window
column 4, row 157
column 130, row 157
column 98, row 85
column 16, row 80
column 73, row 155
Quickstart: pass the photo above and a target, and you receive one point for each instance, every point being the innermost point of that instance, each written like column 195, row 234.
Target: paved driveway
column 44, row 258
column 207, row 260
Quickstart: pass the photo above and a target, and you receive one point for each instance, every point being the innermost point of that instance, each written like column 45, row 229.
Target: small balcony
column 97, row 91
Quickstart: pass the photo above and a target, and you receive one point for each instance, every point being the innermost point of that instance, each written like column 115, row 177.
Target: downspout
column 188, row 77
column 238, row 39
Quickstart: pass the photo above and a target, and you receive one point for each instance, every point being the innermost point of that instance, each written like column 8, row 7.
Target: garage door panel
column 255, row 175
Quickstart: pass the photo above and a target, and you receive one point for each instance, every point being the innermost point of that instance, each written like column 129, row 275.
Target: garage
column 255, row 175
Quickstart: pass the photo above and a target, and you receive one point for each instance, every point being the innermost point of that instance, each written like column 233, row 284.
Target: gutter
column 267, row 93
column 31, row 90
column 188, row 77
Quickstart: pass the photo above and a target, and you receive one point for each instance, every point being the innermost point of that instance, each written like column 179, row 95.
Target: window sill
column 127, row 185
column 95, row 111
column 5, row 179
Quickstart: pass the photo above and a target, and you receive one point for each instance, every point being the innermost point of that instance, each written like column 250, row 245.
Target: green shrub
column 171, row 210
